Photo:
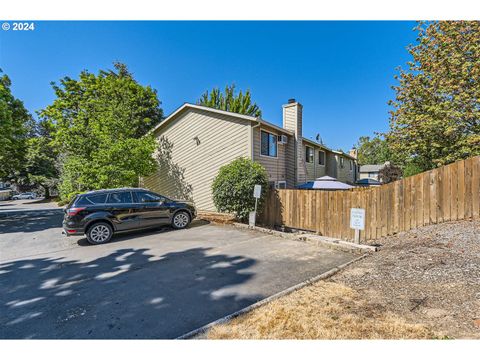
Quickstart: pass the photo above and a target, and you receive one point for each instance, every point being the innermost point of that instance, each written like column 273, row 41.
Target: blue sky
column 340, row 71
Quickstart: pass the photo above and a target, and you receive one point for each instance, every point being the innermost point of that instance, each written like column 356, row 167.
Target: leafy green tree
column 100, row 126
column 411, row 168
column 41, row 160
column 233, row 187
column 436, row 115
column 373, row 150
column 15, row 127
column 230, row 101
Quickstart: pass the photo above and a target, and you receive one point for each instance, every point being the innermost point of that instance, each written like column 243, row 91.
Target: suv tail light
column 74, row 211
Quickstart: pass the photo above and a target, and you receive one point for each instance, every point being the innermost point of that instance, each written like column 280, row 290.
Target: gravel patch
column 429, row 275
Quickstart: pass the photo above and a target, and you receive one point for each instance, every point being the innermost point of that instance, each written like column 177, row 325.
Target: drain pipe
column 253, row 138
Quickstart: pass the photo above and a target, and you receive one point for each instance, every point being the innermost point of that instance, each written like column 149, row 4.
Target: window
column 308, row 154
column 120, row 198
column 321, row 158
column 342, row 162
column 268, row 144
column 146, row 197
column 281, row 185
column 97, row 199
column 351, row 165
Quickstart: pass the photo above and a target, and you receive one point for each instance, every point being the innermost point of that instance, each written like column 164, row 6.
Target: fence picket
column 448, row 193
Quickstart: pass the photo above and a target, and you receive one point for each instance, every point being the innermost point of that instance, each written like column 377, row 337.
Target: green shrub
column 233, row 187
column 411, row 169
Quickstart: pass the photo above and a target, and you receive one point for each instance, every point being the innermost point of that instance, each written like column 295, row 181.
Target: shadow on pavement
column 126, row 294
column 134, row 234
column 30, row 221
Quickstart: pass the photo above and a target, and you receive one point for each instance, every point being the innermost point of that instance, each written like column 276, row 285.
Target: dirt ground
column 424, row 283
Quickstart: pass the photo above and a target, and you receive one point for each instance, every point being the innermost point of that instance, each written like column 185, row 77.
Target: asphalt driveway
column 152, row 284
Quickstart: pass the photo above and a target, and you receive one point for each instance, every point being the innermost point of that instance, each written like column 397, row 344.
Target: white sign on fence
column 357, row 219
column 257, row 191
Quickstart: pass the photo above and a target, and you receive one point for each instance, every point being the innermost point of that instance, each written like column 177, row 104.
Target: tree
column 389, row 173
column 41, row 160
column 229, row 101
column 15, row 128
column 233, row 187
column 100, row 126
column 436, row 115
column 373, row 150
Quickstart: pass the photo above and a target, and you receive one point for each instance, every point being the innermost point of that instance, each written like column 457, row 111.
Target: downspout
column 253, row 139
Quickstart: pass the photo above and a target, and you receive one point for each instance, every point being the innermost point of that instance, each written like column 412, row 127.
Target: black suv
column 100, row 214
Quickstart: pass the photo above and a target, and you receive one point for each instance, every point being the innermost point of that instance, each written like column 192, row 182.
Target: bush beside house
column 233, row 187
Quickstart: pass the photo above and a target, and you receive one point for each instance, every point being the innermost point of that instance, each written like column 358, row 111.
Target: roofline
column 257, row 120
column 222, row 112
column 328, row 149
column 276, row 127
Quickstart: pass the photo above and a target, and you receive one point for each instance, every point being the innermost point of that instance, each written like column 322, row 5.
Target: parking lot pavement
column 8, row 206
column 152, row 284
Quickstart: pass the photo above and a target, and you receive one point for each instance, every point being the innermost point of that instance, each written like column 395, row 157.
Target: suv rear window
column 147, row 197
column 120, row 198
column 92, row 199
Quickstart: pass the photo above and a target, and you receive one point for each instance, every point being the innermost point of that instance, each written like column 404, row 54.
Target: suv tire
column 180, row 220
column 99, row 233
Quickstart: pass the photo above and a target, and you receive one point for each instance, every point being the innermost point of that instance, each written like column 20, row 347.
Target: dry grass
column 324, row 310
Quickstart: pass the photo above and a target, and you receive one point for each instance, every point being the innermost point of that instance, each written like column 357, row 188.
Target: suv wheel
column 99, row 233
column 180, row 220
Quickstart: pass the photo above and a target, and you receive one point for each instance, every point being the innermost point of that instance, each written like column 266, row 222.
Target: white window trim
column 324, row 158
column 271, row 133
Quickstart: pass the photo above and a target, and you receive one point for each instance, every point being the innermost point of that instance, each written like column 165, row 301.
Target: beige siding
column 320, row 170
column 293, row 120
column 187, row 169
column 314, row 170
column 276, row 166
column 345, row 174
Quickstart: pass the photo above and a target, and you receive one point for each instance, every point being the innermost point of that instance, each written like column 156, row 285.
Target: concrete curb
column 260, row 303
column 314, row 239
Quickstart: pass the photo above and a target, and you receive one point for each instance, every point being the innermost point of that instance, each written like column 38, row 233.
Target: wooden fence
column 451, row 192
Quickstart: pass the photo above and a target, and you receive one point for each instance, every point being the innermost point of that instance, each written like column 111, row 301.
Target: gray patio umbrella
column 325, row 183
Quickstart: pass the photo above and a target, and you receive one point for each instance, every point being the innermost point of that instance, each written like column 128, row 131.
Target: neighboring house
column 370, row 171
column 368, row 182
column 195, row 141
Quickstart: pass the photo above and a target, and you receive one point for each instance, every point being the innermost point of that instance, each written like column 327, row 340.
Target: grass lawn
column 422, row 284
column 324, row 310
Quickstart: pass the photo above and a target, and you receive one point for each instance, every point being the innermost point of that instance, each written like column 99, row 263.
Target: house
column 195, row 141
column 370, row 171
column 368, row 182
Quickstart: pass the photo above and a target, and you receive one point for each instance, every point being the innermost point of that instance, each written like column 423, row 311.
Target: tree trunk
column 47, row 192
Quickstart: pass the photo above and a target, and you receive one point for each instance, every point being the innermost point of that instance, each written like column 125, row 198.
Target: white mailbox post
column 357, row 222
column 257, row 192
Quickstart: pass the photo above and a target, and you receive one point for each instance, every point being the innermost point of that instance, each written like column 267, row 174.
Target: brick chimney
column 292, row 120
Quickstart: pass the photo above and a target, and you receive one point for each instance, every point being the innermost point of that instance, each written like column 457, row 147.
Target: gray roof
column 371, row 168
